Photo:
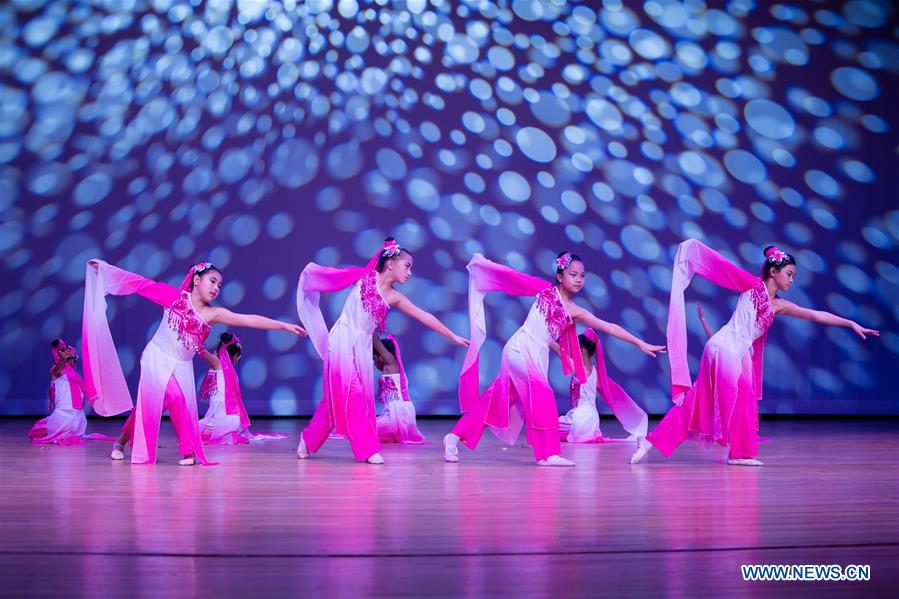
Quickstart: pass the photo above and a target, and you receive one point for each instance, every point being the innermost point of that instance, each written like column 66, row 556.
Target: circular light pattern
column 514, row 186
column 769, row 119
column 822, row 183
column 536, row 144
column 745, row 166
column 855, row 83
column 262, row 135
column 92, row 189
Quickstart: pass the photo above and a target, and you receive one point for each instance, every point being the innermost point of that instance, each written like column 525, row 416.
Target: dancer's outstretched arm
column 253, row 321
column 584, row 317
column 788, row 308
column 402, row 303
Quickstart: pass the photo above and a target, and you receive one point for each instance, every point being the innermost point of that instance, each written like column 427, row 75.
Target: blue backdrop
column 261, row 135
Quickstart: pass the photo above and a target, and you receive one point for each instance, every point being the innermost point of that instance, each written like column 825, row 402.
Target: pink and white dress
column 521, row 393
column 218, row 426
column 167, row 373
column 396, row 422
column 722, row 406
column 347, row 406
column 66, row 425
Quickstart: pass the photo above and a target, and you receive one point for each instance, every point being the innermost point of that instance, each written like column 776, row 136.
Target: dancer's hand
column 699, row 310
column 461, row 341
column 295, row 329
column 862, row 331
column 651, row 350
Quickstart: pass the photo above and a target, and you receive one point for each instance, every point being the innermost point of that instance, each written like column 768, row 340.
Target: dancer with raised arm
column 722, row 406
column 521, row 392
column 166, row 364
column 347, row 406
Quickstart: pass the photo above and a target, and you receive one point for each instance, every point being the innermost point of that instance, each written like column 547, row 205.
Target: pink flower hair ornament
column 776, row 255
column 391, row 249
column 562, row 262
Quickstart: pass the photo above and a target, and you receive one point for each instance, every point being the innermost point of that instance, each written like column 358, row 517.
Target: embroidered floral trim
column 764, row 312
column 184, row 321
column 574, row 392
column 557, row 317
column 209, row 386
column 372, row 301
column 387, row 390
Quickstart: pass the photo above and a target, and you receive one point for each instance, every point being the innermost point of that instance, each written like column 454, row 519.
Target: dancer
column 722, row 406
column 66, row 423
column 226, row 421
column 347, row 404
column 581, row 423
column 166, row 366
column 521, row 390
column 396, row 422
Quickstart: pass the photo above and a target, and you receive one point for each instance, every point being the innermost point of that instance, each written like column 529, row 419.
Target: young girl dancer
column 348, row 403
column 396, row 422
column 521, row 389
column 66, row 423
column 226, row 421
column 581, row 423
column 722, row 406
column 167, row 373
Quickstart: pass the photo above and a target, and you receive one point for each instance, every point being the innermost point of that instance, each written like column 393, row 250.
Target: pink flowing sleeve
column 313, row 281
column 77, row 388
column 104, row 380
column 233, row 395
column 569, row 353
column 485, row 276
column 629, row 414
column 695, row 258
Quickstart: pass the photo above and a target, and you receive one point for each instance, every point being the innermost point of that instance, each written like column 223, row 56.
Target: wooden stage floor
column 264, row 524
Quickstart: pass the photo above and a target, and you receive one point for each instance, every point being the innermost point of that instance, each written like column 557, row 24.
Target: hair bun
column 389, row 238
